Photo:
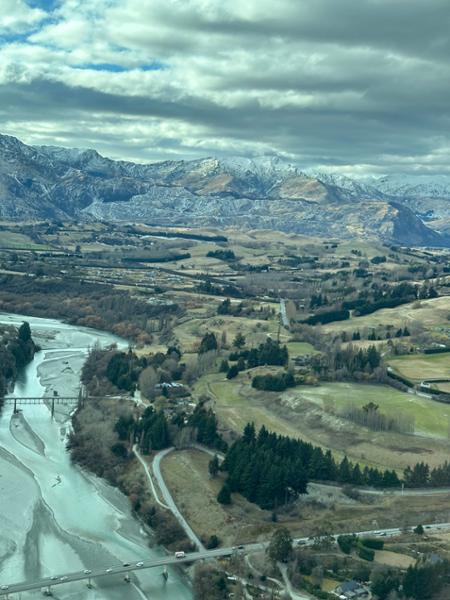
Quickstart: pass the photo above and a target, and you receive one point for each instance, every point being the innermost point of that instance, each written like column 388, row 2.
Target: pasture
column 418, row 367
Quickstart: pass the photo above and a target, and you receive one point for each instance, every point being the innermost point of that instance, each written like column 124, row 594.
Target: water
column 50, row 528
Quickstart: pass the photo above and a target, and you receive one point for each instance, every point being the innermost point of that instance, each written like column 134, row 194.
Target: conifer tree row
column 271, row 469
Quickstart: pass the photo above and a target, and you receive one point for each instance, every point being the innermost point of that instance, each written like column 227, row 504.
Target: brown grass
column 186, row 473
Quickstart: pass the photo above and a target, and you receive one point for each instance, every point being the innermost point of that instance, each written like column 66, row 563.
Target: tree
column 213, row 542
column 280, row 546
column 124, row 426
column 224, row 496
column 209, row 342
column 422, row 581
column 419, row 530
column 384, row 581
column 233, row 372
column 148, row 380
column 239, row 340
column 213, row 466
column 210, row 583
column 25, row 332
column 224, row 366
column 224, row 308
column 347, row 542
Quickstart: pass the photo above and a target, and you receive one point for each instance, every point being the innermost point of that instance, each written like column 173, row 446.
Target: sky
column 353, row 86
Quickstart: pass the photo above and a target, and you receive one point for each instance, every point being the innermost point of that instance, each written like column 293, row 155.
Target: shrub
column 213, row 542
column 373, row 543
column 366, row 553
column 346, row 543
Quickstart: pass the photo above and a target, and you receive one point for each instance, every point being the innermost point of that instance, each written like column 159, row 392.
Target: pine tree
column 345, row 471
column 213, row 466
column 24, row 332
column 224, row 496
column 239, row 340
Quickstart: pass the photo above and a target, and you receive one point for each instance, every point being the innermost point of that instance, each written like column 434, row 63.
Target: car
column 126, row 564
column 140, row 564
column 240, row 547
column 54, row 577
column 87, row 571
column 4, row 587
column 109, row 570
column 180, row 554
column 63, row 578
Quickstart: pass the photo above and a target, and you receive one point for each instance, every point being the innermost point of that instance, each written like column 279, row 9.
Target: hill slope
column 57, row 183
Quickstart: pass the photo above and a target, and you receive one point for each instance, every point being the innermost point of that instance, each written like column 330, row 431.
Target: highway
column 64, row 578
column 194, row 556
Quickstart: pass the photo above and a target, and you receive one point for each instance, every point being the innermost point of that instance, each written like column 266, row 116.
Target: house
column 351, row 590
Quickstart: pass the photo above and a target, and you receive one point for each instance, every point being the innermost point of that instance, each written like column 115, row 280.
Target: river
column 56, row 518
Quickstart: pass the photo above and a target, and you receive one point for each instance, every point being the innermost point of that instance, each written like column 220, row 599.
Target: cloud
column 348, row 85
column 16, row 16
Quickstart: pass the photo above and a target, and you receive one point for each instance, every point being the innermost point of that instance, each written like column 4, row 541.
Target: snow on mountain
column 426, row 186
column 261, row 192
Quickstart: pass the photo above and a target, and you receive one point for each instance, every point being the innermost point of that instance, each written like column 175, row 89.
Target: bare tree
column 148, row 380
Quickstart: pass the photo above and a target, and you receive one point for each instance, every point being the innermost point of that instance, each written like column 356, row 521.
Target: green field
column 418, row 367
column 430, row 313
column 431, row 418
column 235, row 407
column 238, row 404
column 312, row 414
column 300, row 349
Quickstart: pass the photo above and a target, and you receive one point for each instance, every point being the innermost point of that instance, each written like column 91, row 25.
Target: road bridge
column 8, row 591
column 124, row 569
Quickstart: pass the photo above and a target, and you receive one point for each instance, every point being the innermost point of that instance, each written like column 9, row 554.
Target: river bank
column 55, row 517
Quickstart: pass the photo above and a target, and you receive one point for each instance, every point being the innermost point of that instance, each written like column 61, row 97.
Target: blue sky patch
column 111, row 67
column 116, row 68
column 154, row 66
column 47, row 5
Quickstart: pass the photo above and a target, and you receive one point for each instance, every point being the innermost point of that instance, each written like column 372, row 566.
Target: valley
column 325, row 341
column 45, row 182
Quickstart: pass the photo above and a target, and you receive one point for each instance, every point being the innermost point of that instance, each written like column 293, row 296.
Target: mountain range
column 49, row 182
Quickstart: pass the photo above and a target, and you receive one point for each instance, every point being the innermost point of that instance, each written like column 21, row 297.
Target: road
column 156, row 467
column 112, row 571
column 287, row 584
column 192, row 557
column 283, row 313
column 149, row 477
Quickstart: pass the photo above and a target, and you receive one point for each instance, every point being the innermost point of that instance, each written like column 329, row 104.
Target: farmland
column 312, row 414
column 418, row 367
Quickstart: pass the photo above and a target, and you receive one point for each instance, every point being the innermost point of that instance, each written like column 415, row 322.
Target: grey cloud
column 415, row 27
column 375, row 75
column 311, row 135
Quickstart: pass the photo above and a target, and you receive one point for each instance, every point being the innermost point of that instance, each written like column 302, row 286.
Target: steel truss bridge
column 52, row 401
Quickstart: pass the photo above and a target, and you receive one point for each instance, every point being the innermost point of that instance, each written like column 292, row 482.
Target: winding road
column 156, row 466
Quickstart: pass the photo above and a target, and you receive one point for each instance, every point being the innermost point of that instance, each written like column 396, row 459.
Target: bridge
column 125, row 569
column 76, row 401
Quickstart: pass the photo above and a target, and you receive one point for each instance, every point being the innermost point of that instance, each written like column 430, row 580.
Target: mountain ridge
column 51, row 182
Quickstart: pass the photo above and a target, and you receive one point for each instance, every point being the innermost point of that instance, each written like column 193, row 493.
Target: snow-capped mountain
column 425, row 186
column 265, row 192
